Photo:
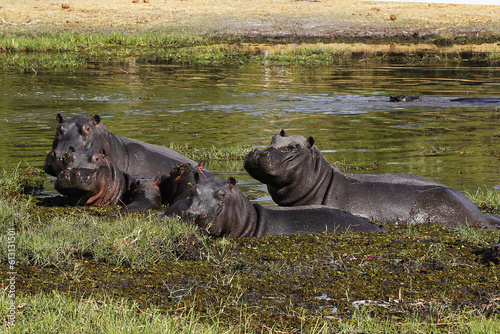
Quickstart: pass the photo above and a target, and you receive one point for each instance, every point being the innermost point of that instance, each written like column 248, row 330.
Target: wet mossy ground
column 431, row 271
column 288, row 282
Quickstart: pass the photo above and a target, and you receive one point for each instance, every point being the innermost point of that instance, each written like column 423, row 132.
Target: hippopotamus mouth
column 76, row 182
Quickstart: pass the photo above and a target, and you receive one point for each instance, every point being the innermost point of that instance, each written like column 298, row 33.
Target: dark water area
column 346, row 108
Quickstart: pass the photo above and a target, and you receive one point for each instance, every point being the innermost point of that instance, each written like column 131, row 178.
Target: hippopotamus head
column 79, row 132
column 277, row 165
column 292, row 167
column 89, row 179
column 179, row 182
column 219, row 207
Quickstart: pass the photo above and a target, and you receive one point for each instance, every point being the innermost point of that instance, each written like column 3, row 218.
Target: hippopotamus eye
column 86, row 129
column 221, row 195
column 60, row 131
column 95, row 158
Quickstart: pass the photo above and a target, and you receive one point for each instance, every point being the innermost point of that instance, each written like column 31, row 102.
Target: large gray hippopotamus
column 296, row 173
column 222, row 210
column 92, row 179
column 128, row 155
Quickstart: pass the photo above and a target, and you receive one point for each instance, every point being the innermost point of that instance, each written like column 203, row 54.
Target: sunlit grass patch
column 213, row 153
column 63, row 313
column 486, row 199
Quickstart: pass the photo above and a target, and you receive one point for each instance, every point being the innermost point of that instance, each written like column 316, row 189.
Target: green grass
column 213, row 153
column 63, row 313
column 44, row 237
column 35, row 51
column 68, row 313
column 486, row 199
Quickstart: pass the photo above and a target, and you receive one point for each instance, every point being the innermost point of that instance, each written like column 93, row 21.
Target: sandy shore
column 330, row 19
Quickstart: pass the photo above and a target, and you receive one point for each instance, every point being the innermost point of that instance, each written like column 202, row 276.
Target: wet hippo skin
column 91, row 179
column 222, row 210
column 296, row 173
column 128, row 155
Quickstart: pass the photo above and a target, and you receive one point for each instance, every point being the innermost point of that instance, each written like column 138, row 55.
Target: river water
column 345, row 108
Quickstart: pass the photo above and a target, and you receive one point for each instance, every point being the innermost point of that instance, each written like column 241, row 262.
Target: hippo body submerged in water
column 403, row 98
column 92, row 179
column 477, row 100
column 296, row 173
column 128, row 155
column 222, row 210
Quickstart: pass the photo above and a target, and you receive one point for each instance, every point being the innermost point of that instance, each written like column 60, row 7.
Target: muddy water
column 345, row 108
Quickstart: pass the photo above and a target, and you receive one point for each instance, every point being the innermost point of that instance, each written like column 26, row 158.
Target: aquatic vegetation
column 213, row 153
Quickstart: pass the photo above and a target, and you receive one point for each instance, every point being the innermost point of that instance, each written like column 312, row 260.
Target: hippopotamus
column 477, row 100
column 128, row 155
column 176, row 187
column 403, row 98
column 92, row 179
column 222, row 210
column 296, row 173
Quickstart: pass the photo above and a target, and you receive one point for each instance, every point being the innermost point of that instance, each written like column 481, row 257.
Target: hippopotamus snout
column 54, row 163
column 263, row 165
column 74, row 179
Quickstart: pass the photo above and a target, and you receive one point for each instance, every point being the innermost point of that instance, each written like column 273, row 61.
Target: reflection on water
column 345, row 108
column 369, row 49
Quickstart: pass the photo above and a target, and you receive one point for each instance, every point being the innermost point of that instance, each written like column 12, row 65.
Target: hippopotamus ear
column 310, row 141
column 96, row 119
column 156, row 183
column 231, row 181
column 282, row 133
column 201, row 165
column 71, row 149
column 59, row 118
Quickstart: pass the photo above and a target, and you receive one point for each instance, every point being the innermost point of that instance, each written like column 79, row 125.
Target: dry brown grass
column 326, row 18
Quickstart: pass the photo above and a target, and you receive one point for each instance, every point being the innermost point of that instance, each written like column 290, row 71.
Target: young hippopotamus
column 177, row 185
column 222, row 210
column 92, row 179
column 296, row 173
column 128, row 155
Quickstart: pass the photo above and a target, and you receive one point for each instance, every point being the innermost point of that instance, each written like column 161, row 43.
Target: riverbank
column 330, row 20
column 38, row 35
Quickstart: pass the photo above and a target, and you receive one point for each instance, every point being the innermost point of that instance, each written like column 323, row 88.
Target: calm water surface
column 345, row 108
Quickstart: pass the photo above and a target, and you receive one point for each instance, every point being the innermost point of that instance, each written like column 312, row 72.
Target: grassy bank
column 93, row 269
column 36, row 51
column 61, row 312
